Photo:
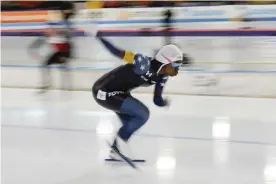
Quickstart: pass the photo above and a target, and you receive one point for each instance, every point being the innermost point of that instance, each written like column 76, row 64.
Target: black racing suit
column 112, row 88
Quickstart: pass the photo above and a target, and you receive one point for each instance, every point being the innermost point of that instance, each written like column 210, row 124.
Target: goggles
column 177, row 64
column 186, row 61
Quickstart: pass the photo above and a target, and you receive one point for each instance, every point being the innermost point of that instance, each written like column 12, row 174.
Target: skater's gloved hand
column 159, row 101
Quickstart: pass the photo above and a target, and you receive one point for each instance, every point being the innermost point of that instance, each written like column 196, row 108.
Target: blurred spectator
column 168, row 16
column 117, row 4
column 261, row 2
column 94, row 4
column 34, row 5
column 112, row 4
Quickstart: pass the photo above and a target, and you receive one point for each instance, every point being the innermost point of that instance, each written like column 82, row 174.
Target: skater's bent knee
column 144, row 114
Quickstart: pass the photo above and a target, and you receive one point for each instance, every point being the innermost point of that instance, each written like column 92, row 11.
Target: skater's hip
column 110, row 99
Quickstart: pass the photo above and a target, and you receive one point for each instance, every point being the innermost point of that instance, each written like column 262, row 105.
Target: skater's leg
column 131, row 112
column 123, row 117
column 137, row 113
column 124, row 120
column 133, row 115
column 66, row 80
column 46, row 79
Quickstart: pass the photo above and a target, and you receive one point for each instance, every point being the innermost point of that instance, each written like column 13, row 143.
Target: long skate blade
column 123, row 157
column 116, row 160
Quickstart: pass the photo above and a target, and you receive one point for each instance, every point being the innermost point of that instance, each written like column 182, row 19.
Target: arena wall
column 186, row 83
column 229, row 60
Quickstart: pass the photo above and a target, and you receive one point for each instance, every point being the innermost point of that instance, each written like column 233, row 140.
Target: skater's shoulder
column 141, row 64
column 131, row 57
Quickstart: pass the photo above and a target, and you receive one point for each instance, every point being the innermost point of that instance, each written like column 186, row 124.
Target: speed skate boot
column 120, row 151
column 120, row 146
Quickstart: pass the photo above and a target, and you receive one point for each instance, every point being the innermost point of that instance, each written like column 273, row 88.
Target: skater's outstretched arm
column 159, row 86
column 37, row 43
column 126, row 55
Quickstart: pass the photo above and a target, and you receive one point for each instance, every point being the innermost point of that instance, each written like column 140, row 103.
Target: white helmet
column 168, row 55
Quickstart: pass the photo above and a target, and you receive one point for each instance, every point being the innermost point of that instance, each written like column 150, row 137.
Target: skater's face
column 170, row 70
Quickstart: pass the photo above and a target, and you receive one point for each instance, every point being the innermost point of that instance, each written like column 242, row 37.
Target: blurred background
column 30, row 5
column 220, row 36
column 60, row 136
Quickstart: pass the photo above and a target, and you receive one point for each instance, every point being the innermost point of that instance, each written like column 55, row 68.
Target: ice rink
column 60, row 138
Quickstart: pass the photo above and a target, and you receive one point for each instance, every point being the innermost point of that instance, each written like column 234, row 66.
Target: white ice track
column 59, row 138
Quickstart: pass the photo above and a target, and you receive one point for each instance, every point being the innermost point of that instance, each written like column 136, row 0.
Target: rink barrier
column 207, row 52
column 85, row 68
column 150, row 21
column 224, row 16
column 151, row 33
column 143, row 15
column 237, row 84
column 15, row 17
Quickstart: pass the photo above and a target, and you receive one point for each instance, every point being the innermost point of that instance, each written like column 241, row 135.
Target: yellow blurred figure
column 261, row 2
column 94, row 4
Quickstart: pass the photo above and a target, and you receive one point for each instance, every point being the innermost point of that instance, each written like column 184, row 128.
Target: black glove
column 159, row 101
